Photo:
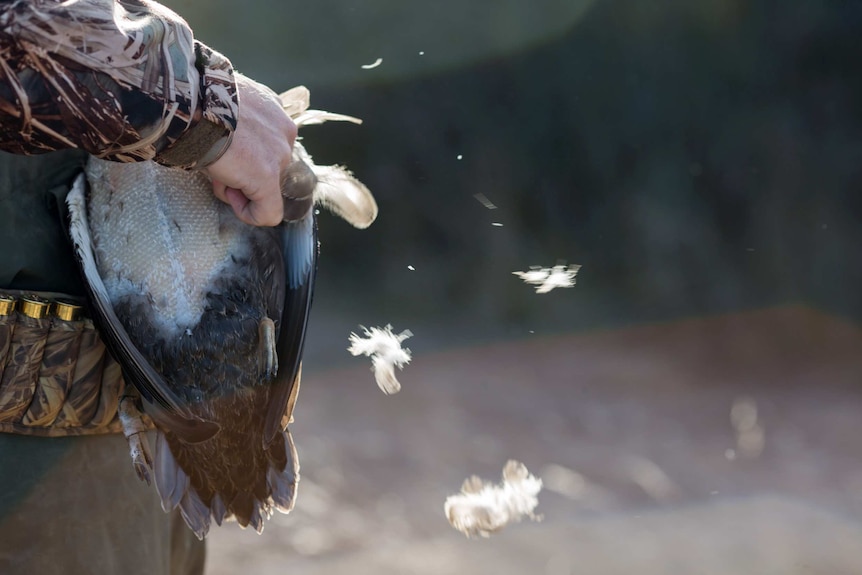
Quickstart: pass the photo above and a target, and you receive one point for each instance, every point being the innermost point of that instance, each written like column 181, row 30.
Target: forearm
column 123, row 80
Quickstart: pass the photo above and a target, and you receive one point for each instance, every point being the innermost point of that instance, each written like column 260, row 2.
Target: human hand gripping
column 250, row 174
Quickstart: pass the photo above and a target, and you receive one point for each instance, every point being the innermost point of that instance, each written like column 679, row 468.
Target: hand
column 248, row 176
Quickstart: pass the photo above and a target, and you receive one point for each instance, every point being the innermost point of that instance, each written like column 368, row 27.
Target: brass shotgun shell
column 7, row 304
column 35, row 307
column 67, row 310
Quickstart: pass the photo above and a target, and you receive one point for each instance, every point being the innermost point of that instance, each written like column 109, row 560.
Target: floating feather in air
column 376, row 63
column 548, row 279
column 483, row 508
column 384, row 348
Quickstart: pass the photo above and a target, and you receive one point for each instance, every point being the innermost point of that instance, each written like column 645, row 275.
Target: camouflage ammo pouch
column 56, row 376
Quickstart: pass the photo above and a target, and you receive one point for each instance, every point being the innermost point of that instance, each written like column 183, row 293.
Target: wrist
column 213, row 124
column 200, row 145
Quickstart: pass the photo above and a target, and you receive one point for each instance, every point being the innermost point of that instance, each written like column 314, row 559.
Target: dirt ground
column 721, row 445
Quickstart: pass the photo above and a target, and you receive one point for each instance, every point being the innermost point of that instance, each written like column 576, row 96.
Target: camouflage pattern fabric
column 62, row 384
column 21, row 373
column 57, row 378
column 124, row 80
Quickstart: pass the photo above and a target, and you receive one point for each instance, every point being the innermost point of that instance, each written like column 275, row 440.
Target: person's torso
column 35, row 253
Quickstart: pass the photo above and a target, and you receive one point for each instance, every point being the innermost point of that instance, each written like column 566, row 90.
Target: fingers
column 255, row 213
column 248, row 175
column 266, row 210
column 262, row 213
column 238, row 203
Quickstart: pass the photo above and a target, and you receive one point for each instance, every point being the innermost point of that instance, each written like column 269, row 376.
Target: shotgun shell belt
column 56, row 376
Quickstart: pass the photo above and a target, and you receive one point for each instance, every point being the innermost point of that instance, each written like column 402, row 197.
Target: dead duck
column 208, row 316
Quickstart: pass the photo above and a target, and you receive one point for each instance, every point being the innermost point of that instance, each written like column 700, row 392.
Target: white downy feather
column 337, row 189
column 484, row 508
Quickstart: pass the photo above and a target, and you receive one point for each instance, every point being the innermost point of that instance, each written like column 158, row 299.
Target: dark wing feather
column 162, row 404
column 299, row 241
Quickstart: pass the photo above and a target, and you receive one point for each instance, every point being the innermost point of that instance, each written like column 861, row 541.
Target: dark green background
column 694, row 157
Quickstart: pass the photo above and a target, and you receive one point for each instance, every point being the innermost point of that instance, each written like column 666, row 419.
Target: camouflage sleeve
column 125, row 80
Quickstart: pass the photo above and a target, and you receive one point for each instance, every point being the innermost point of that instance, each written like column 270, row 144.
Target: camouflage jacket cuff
column 211, row 130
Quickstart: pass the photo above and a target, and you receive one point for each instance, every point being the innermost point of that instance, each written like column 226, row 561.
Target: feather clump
column 483, row 508
column 547, row 279
column 337, row 190
column 384, row 348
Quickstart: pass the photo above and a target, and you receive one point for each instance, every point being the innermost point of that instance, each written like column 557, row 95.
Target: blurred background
column 693, row 404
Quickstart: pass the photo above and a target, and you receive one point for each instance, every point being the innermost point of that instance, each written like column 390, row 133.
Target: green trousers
column 71, row 505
